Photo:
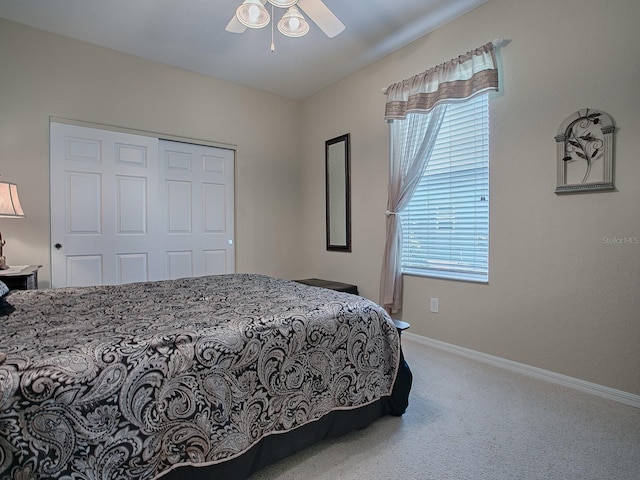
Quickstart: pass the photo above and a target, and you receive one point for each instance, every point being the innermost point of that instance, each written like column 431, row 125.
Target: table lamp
column 9, row 208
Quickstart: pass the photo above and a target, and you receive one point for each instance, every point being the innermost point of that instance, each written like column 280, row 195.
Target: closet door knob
column 58, row 246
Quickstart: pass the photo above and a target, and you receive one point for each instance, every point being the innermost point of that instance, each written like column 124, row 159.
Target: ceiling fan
column 253, row 14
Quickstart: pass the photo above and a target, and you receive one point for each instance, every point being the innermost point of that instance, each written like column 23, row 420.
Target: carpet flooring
column 471, row 421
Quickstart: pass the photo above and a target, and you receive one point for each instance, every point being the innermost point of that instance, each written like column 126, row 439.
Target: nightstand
column 22, row 279
column 400, row 325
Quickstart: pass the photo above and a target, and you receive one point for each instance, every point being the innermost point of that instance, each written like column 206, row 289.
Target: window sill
column 447, row 276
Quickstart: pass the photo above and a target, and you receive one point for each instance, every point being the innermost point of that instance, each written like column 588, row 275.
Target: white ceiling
column 191, row 34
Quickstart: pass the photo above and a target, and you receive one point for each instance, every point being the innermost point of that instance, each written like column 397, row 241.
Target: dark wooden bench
column 331, row 285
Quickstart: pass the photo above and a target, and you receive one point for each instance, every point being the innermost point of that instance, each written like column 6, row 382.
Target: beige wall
column 558, row 297
column 46, row 75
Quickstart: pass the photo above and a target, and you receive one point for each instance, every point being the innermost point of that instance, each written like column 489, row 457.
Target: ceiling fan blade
column 322, row 16
column 234, row 26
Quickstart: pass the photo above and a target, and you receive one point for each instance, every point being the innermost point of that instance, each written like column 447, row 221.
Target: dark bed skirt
column 276, row 447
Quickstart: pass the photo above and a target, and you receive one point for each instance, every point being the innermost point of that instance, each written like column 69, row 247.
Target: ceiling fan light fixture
column 283, row 3
column 252, row 14
column 293, row 24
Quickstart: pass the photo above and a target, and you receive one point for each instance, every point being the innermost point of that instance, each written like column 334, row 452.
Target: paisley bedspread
column 132, row 381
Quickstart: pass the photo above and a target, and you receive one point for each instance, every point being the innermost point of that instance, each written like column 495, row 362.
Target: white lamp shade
column 9, row 202
column 283, row 3
column 252, row 14
column 293, row 23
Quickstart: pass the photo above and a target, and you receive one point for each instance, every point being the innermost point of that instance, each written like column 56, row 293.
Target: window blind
column 445, row 228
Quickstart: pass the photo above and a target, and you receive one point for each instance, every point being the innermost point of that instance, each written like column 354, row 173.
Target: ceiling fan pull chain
column 273, row 46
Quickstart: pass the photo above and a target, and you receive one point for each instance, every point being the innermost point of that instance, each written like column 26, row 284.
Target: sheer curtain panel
column 412, row 141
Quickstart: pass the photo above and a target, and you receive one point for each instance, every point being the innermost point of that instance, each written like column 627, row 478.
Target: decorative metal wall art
column 585, row 152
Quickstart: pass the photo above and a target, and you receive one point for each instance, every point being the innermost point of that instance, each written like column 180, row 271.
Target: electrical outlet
column 434, row 305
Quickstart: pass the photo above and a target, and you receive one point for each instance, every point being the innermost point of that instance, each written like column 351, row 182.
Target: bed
column 209, row 377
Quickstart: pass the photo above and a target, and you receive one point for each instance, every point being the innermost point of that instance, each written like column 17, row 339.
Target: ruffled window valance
column 463, row 77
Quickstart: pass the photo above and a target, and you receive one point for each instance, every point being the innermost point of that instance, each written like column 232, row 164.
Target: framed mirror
column 338, row 193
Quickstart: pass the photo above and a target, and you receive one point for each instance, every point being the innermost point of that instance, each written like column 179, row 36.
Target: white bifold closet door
column 131, row 208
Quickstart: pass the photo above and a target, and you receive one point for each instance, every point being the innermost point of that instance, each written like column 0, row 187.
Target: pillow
column 3, row 289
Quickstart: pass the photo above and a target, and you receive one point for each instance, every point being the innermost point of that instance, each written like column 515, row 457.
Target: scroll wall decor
column 585, row 152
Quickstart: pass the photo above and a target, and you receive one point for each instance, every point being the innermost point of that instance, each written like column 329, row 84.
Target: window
column 445, row 227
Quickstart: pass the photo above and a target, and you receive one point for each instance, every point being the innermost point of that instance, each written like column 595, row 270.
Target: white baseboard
column 557, row 378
